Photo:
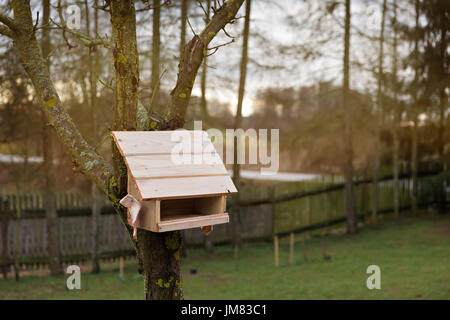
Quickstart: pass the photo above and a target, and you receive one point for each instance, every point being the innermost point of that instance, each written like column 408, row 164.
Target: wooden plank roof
column 173, row 164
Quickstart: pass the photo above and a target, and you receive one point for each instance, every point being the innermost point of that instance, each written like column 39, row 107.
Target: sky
column 273, row 24
column 270, row 19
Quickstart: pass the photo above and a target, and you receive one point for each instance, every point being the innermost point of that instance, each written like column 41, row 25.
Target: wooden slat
column 192, row 221
column 210, row 205
column 184, row 187
column 163, row 166
column 149, row 214
column 160, row 142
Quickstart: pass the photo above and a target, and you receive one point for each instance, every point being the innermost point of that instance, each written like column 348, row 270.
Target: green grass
column 413, row 254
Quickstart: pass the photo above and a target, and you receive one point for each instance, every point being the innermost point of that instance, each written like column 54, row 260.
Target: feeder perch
column 176, row 180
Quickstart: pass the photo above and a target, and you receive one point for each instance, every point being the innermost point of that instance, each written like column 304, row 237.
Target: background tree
column 238, row 124
column 436, row 60
column 348, row 166
column 396, row 115
column 162, row 279
column 156, row 40
column 184, row 20
column 93, row 65
column 379, row 112
column 415, row 114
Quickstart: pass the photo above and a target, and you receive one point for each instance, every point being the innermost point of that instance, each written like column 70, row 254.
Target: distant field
column 413, row 254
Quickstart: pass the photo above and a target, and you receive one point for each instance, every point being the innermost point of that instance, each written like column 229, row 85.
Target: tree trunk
column 204, row 104
column 162, row 279
column 207, row 239
column 158, row 253
column 443, row 103
column 161, row 263
column 54, row 257
column 414, row 164
column 379, row 117
column 349, row 189
column 396, row 119
column 93, row 64
column 238, row 124
column 156, row 41
column 414, row 131
column 184, row 17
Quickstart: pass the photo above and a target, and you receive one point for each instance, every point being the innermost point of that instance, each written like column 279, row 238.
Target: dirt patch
column 442, row 229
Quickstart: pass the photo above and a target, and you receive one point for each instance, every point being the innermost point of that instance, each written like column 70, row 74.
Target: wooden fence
column 266, row 210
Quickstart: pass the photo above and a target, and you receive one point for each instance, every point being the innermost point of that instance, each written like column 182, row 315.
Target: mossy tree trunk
column 158, row 253
column 49, row 175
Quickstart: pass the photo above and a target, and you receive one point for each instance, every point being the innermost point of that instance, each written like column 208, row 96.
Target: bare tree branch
column 84, row 155
column 148, row 6
column 9, row 22
column 191, row 60
column 4, row 30
column 83, row 38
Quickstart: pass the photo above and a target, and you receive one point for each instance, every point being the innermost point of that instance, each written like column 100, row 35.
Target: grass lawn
column 413, row 254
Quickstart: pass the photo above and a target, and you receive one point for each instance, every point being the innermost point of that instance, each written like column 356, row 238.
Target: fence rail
column 267, row 210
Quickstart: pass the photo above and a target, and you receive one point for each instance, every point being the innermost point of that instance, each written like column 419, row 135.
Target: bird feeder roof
column 173, row 164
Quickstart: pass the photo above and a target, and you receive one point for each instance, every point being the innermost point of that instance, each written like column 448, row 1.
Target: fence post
column 5, row 238
column 291, row 248
column 275, row 243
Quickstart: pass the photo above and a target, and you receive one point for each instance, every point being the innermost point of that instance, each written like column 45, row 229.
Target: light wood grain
column 149, row 215
column 188, row 187
column 163, row 166
column 161, row 142
column 192, row 221
column 209, row 205
column 157, row 174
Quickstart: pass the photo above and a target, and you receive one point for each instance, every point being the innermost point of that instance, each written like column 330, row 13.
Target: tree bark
column 348, row 165
column 184, row 17
column 156, row 40
column 54, row 256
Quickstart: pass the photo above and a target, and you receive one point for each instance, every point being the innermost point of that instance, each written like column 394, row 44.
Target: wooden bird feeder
column 174, row 195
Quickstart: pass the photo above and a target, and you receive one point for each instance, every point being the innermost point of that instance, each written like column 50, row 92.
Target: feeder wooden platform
column 174, row 194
